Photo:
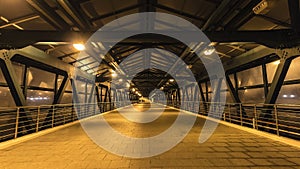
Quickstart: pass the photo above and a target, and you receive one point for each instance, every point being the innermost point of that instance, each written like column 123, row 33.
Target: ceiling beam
column 181, row 13
column 243, row 16
column 294, row 14
column 271, row 38
column 48, row 14
column 115, row 12
column 19, row 20
column 74, row 11
column 275, row 21
column 217, row 14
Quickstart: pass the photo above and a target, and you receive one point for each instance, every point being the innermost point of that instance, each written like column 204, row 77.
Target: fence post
column 73, row 112
column 53, row 116
column 276, row 119
column 255, row 118
column 207, row 110
column 17, row 122
column 38, row 119
column 64, row 114
column 241, row 114
column 229, row 114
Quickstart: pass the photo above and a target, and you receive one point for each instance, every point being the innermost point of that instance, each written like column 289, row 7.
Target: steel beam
column 206, row 91
column 275, row 21
column 287, row 56
column 25, row 81
column 217, row 91
column 265, row 79
column 271, row 38
column 217, row 14
column 15, row 88
column 115, row 12
column 278, row 80
column 172, row 10
column 34, row 57
column 249, row 57
column 59, row 94
column 91, row 93
column 294, row 14
column 73, row 10
column 11, row 78
column 48, row 14
column 244, row 15
column 74, row 93
column 232, row 90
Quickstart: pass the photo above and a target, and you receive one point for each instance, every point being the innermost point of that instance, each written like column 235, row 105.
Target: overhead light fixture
column 114, row 74
column 189, row 66
column 285, row 96
column 209, row 50
column 292, row 96
column 120, row 80
column 102, row 56
column 276, row 62
column 79, row 46
column 262, row 8
column 133, row 89
column 171, row 80
column 127, row 85
column 162, row 88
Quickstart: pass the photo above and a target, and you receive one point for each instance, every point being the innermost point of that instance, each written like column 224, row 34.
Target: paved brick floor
column 70, row 148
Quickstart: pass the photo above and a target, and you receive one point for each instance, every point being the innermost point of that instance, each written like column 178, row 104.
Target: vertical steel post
column 17, row 122
column 229, row 114
column 38, row 119
column 255, row 118
column 276, row 119
column 241, row 114
column 53, row 116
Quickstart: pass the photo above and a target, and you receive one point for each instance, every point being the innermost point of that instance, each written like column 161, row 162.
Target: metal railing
column 280, row 119
column 19, row 121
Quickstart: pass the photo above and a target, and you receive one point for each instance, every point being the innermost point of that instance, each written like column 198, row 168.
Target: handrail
column 280, row 119
column 283, row 119
column 19, row 121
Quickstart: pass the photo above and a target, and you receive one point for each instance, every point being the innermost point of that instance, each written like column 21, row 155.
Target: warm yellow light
column 276, row 62
column 133, row 89
column 171, row 80
column 209, row 51
column 79, row 46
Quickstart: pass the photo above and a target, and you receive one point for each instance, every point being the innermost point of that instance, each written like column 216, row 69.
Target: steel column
column 25, row 81
column 11, row 78
column 278, row 80
column 58, row 96
column 265, row 79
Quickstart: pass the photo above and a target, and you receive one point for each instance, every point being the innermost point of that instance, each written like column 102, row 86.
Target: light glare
column 79, row 46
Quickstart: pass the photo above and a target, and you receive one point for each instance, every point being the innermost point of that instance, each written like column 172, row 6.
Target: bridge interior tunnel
column 231, row 60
